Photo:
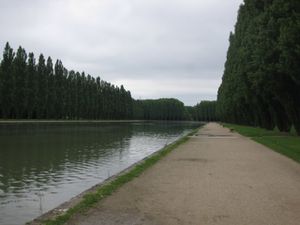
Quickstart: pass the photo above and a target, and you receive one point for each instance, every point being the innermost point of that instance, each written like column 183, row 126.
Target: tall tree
column 32, row 88
column 51, row 96
column 21, row 79
column 8, row 81
column 1, row 86
column 42, row 91
column 59, row 89
column 260, row 84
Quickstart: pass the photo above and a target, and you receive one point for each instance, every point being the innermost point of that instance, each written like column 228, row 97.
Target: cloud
column 129, row 41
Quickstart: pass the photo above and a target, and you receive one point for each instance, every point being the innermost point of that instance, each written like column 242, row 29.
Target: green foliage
column 20, row 75
column 8, row 82
column 32, row 94
column 173, row 109
column 44, row 91
column 204, row 111
column 260, row 85
column 287, row 144
column 160, row 109
column 92, row 198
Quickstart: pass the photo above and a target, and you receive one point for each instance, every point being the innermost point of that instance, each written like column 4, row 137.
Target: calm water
column 43, row 165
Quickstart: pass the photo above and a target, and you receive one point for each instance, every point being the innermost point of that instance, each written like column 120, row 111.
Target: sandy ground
column 217, row 177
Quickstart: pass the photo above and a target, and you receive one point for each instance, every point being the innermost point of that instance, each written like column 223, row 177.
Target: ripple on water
column 68, row 163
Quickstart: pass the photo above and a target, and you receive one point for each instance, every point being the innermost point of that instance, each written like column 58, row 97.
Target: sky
column 155, row 48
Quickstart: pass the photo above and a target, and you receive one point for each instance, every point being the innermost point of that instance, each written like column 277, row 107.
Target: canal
column 45, row 164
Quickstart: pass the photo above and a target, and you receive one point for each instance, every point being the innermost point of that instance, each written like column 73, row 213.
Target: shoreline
column 73, row 205
column 29, row 121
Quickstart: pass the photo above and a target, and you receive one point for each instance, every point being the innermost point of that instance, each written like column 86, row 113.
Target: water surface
column 44, row 165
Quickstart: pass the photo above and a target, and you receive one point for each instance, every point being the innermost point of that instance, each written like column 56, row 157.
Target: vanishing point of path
column 217, row 177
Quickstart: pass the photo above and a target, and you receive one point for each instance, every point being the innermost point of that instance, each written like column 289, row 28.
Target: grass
column 287, row 144
column 91, row 199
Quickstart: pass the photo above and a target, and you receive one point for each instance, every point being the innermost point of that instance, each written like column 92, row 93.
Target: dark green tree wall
column 260, row 85
column 43, row 91
column 205, row 111
column 160, row 109
column 8, row 82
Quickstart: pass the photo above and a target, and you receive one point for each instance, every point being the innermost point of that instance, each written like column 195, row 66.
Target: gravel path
column 216, row 178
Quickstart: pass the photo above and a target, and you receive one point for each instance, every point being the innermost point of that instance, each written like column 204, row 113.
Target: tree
column 59, row 102
column 21, row 96
column 1, row 86
column 42, row 91
column 159, row 109
column 51, row 96
column 32, row 88
column 260, row 85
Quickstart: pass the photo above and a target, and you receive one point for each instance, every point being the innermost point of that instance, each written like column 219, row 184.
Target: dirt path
column 217, row 177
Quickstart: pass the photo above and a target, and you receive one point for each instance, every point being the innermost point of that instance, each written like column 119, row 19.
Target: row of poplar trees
column 41, row 90
column 261, row 82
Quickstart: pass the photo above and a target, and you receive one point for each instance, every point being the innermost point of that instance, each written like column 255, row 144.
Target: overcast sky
column 155, row 48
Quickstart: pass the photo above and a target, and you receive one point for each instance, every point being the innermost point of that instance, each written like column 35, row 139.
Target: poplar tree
column 260, row 85
column 21, row 79
column 42, row 88
column 32, row 88
column 46, row 91
column 8, row 82
column 50, row 104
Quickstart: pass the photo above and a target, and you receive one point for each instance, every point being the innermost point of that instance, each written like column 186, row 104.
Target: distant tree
column 42, row 92
column 8, row 82
column 204, row 111
column 59, row 89
column 71, row 103
column 51, row 92
column 32, row 88
column 21, row 79
column 159, row 109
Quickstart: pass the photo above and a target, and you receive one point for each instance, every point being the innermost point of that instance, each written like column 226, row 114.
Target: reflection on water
column 43, row 165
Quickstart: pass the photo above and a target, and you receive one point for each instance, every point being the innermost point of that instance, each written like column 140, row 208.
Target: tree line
column 204, row 111
column 173, row 109
column 43, row 90
column 261, row 81
column 160, row 109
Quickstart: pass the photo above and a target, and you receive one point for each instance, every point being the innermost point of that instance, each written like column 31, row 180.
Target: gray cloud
column 176, row 45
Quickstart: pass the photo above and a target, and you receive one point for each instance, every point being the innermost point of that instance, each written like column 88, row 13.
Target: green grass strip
column 91, row 199
column 287, row 144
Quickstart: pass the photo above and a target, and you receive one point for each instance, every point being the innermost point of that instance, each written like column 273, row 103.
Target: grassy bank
column 107, row 189
column 287, row 144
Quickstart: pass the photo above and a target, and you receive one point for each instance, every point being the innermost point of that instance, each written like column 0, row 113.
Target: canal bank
column 85, row 200
column 217, row 177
